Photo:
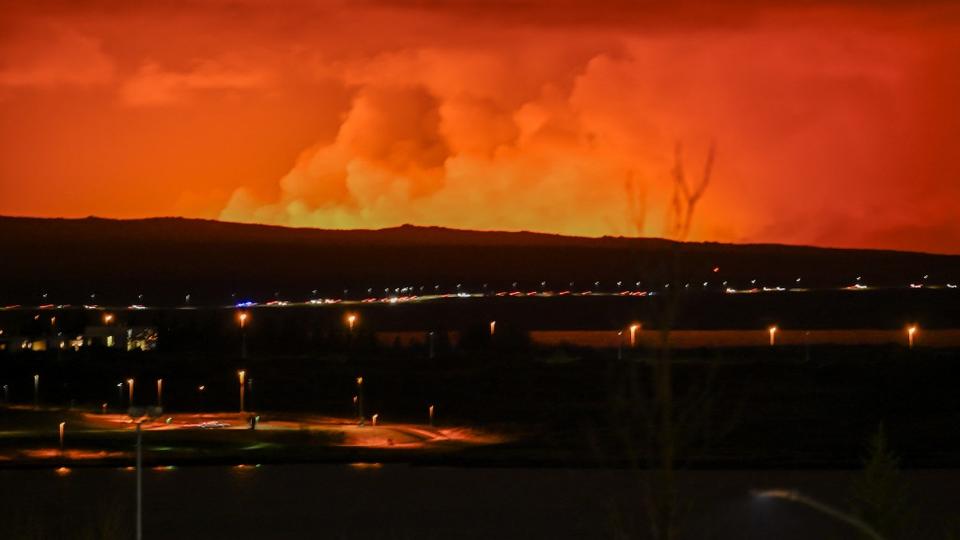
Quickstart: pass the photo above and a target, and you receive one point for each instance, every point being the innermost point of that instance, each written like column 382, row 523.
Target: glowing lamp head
column 242, row 317
column 359, row 380
column 241, row 374
column 130, row 382
column 633, row 334
column 108, row 318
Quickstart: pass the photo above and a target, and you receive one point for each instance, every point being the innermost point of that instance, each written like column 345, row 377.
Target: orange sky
column 835, row 124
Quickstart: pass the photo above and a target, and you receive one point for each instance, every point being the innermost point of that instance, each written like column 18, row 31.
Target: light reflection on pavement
column 200, row 429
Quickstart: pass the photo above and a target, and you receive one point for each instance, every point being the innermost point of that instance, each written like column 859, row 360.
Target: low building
column 141, row 338
column 13, row 343
column 129, row 338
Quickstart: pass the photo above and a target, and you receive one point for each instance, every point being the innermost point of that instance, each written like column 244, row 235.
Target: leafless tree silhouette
column 685, row 199
column 665, row 418
column 636, row 202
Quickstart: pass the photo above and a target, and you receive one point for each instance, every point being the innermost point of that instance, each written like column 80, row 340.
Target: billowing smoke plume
column 835, row 122
column 467, row 140
column 580, row 138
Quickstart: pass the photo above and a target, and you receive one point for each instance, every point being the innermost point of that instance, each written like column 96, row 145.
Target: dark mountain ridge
column 166, row 258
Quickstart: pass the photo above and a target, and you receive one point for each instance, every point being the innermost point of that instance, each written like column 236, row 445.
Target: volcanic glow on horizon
column 835, row 123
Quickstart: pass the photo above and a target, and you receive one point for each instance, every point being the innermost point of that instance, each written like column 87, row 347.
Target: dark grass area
column 793, row 407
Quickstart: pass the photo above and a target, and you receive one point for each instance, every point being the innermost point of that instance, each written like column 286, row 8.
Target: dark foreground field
column 757, row 407
column 399, row 502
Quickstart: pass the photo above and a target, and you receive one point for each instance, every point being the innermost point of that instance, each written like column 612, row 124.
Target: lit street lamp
column 241, row 375
column 430, row 415
column 773, row 335
column 360, row 399
column 62, row 426
column 159, row 392
column 493, row 327
column 633, row 334
column 351, row 321
column 36, row 391
column 242, row 317
column 107, row 318
column 911, row 330
column 130, row 388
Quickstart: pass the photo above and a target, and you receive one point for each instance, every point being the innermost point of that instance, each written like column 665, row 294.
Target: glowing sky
column 835, row 124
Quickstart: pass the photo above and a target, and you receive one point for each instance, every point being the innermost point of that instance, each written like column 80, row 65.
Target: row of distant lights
column 404, row 294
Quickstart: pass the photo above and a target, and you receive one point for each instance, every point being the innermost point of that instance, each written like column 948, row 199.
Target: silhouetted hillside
column 164, row 259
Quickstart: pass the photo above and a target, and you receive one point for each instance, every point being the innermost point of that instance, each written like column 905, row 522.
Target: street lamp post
column 360, row 399
column 120, row 395
column 351, row 321
column 633, row 334
column 62, row 426
column 620, row 345
column 139, row 481
column 36, row 391
column 797, row 497
column 159, row 392
column 493, row 327
column 130, row 389
column 911, row 331
column 430, row 415
column 242, row 317
column 241, row 375
column 773, row 335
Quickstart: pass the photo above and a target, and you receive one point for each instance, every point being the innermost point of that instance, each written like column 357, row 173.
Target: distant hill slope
column 165, row 258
